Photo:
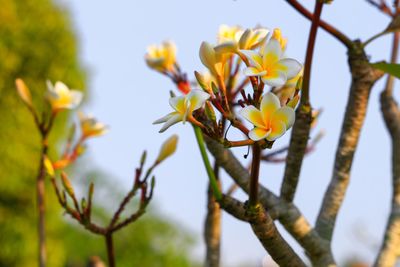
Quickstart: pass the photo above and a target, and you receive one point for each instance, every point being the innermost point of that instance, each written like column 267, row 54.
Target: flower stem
column 207, row 164
column 40, row 194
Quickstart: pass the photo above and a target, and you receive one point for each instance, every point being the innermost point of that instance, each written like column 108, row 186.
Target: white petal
column 291, row 67
column 165, row 118
column 207, row 55
column 76, row 98
column 173, row 120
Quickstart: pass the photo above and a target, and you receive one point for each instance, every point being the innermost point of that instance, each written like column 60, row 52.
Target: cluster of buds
column 162, row 58
column 242, row 60
column 143, row 185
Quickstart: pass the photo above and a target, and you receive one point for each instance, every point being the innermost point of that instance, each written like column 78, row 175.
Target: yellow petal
column 178, row 103
column 258, row 134
column 253, row 115
column 251, row 71
column 269, row 104
column 254, row 58
column 277, row 130
column 274, row 78
column 285, row 115
column 272, row 53
column 197, row 99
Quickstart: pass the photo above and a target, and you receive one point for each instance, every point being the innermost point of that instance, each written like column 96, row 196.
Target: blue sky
column 128, row 96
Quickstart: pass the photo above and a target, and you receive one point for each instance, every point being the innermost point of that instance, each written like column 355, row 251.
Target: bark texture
column 390, row 248
column 287, row 213
column 363, row 78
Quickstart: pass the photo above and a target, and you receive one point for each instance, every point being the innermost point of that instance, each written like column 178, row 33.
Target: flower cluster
column 239, row 68
column 59, row 97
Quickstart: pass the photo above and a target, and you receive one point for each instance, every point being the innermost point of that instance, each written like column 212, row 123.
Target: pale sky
column 128, row 96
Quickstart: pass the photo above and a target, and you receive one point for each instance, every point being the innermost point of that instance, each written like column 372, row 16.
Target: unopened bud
column 23, row 92
column 167, row 149
column 67, row 185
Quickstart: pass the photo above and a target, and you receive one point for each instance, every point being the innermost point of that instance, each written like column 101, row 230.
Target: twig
column 382, row 6
column 324, row 25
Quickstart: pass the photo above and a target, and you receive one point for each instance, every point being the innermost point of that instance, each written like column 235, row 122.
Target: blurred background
column 99, row 47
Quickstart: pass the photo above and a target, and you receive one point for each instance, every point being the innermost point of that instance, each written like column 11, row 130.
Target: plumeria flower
column 61, row 97
column 271, row 121
column 270, row 65
column 242, row 40
column 228, row 33
column 90, row 127
column 184, row 107
column 161, row 57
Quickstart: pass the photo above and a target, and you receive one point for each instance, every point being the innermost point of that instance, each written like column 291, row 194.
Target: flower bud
column 167, row 149
column 23, row 92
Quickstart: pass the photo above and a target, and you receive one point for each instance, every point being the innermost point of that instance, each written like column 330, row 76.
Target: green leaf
column 392, row 69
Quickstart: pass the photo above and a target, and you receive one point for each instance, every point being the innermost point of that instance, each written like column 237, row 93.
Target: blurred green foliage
column 38, row 43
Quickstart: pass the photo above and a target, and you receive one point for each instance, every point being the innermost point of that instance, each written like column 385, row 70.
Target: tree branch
column 264, row 228
column 363, row 78
column 324, row 25
column 287, row 213
column 390, row 248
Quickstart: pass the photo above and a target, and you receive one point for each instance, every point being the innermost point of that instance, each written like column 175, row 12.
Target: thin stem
column 110, row 250
column 305, row 91
column 210, row 172
column 376, row 36
column 255, row 172
column 40, row 192
column 393, row 59
column 302, row 126
column 324, row 25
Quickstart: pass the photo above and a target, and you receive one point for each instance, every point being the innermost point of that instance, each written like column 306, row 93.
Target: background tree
column 37, row 43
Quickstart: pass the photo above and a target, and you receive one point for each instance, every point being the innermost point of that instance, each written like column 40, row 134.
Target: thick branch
column 390, row 248
column 265, row 230
column 363, row 78
column 287, row 213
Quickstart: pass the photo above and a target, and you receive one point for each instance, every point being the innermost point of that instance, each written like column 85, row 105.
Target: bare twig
column 324, row 25
column 382, row 6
